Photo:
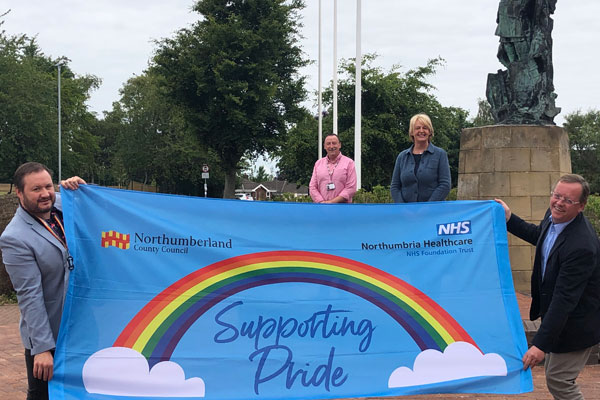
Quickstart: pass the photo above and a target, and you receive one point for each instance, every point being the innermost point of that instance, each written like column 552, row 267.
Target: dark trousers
column 37, row 388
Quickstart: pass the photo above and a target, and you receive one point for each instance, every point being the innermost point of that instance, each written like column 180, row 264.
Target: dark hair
column 26, row 169
column 574, row 178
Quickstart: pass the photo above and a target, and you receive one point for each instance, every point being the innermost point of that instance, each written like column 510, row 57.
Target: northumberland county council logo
column 454, row 228
column 112, row 238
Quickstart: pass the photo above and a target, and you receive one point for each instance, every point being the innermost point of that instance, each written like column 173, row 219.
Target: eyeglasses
column 558, row 197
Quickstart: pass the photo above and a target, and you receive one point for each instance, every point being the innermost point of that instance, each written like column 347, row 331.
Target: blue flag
column 175, row 296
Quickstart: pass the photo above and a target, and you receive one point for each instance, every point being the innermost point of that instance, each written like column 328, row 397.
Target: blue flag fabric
column 176, row 296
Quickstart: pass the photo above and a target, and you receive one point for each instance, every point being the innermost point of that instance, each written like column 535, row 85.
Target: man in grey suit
column 37, row 259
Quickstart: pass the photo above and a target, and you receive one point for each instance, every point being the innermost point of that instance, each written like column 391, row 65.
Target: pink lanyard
column 330, row 171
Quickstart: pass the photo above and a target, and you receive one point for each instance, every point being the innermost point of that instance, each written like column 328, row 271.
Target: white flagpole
column 357, row 98
column 320, row 108
column 335, row 105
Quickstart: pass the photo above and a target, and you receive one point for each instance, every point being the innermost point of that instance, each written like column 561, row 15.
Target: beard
column 39, row 206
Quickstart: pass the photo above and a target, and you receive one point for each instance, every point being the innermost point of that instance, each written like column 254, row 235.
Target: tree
column 298, row 154
column 109, row 168
column 79, row 144
column 261, row 175
column 484, row 115
column 152, row 143
column 389, row 100
column 584, row 138
column 235, row 75
column 28, row 109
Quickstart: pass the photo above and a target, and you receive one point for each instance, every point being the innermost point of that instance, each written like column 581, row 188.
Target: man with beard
column 35, row 253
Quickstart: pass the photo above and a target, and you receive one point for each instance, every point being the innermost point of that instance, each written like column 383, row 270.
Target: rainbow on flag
column 236, row 300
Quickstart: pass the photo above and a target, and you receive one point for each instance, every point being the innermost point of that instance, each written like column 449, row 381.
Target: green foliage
column 290, row 198
column 28, row 110
column 109, row 169
column 453, row 195
column 260, row 175
column 584, row 138
column 379, row 194
column 389, row 100
column 300, row 151
column 27, row 106
column 592, row 211
column 8, row 205
column 8, row 298
column 484, row 115
column 234, row 75
column 147, row 140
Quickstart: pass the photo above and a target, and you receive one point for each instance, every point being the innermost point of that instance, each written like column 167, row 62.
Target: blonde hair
column 424, row 118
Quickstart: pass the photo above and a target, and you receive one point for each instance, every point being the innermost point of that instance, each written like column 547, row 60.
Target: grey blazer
column 39, row 271
column 432, row 181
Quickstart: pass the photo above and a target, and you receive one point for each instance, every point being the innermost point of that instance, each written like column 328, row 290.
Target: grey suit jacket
column 38, row 268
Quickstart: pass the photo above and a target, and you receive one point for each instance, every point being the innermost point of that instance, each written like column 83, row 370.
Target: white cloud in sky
column 458, row 361
column 121, row 371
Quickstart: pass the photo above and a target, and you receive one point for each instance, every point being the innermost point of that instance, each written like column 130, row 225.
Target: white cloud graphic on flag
column 458, row 361
column 121, row 371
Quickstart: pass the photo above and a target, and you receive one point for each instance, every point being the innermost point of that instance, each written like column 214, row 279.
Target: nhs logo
column 454, row 228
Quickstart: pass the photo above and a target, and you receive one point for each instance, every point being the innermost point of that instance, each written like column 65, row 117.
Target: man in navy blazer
column 565, row 285
column 37, row 260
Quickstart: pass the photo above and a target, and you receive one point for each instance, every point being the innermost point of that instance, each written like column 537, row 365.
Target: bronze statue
column 524, row 93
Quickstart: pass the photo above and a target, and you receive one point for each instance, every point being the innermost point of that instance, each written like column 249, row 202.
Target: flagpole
column 335, row 94
column 357, row 97
column 320, row 108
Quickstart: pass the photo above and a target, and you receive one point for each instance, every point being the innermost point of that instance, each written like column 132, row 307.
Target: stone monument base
column 519, row 164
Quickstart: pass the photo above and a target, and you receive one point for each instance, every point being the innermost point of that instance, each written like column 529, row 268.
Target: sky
column 114, row 40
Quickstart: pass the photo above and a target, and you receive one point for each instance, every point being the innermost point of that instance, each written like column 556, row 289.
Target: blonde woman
column 422, row 172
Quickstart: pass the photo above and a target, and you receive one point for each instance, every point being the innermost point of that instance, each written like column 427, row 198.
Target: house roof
column 274, row 186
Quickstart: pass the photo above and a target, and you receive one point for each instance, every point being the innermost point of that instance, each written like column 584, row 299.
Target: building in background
column 268, row 189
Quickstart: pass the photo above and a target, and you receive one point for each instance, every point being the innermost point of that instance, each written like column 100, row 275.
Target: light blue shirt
column 553, row 232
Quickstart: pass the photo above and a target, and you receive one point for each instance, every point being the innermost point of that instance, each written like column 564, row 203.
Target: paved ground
column 13, row 381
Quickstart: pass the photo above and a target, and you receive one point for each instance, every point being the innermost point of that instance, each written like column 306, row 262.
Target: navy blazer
column 38, row 268
column 432, row 181
column 568, row 297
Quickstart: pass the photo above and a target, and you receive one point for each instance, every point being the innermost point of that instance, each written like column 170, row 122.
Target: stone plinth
column 519, row 164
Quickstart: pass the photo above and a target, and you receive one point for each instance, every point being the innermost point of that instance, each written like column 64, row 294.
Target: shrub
column 379, row 194
column 8, row 205
column 382, row 194
column 289, row 197
column 452, row 195
column 592, row 211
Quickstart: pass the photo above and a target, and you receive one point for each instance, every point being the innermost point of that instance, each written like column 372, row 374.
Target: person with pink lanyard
column 334, row 176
